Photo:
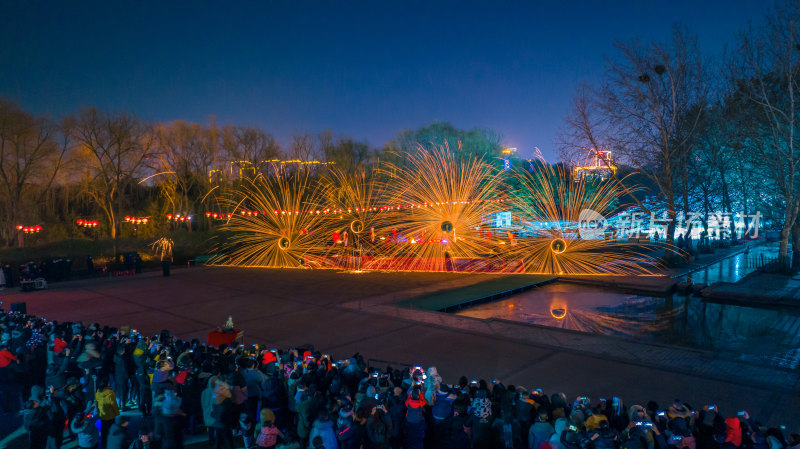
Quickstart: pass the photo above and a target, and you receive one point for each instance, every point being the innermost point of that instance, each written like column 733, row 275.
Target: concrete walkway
column 344, row 313
column 766, row 290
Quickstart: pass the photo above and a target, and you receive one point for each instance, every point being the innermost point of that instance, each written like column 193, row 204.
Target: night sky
column 362, row 69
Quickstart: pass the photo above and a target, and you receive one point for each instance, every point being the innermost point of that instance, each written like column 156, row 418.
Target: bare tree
column 187, row 154
column 251, row 150
column 30, row 158
column 768, row 73
column 115, row 147
column 303, row 147
column 647, row 112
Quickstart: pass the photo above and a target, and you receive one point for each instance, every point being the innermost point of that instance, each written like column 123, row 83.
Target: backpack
column 482, row 409
column 378, row 435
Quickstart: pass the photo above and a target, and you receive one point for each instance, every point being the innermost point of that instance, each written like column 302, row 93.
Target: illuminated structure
column 507, row 153
column 244, row 169
column 598, row 165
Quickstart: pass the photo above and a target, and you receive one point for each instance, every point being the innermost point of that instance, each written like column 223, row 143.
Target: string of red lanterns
column 179, row 217
column 29, row 229
column 255, row 213
column 217, row 216
column 87, row 223
column 136, row 220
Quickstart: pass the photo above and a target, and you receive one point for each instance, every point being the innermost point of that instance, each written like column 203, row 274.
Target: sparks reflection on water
column 576, row 308
column 759, row 335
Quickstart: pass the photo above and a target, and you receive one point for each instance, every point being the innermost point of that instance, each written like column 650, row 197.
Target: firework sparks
column 279, row 224
column 352, row 233
column 553, row 208
column 446, row 197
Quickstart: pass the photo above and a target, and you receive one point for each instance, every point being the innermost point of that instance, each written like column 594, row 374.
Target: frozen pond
column 764, row 336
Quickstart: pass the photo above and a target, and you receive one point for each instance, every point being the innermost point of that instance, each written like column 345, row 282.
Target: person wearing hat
column 35, row 419
column 118, row 436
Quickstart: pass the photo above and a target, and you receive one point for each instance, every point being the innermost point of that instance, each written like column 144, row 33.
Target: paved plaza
column 343, row 313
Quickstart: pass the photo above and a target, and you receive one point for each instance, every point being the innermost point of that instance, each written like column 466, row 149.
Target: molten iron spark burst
column 551, row 206
column 446, row 196
column 353, row 233
column 279, row 230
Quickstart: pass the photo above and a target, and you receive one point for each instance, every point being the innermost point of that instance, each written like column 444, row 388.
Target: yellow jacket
column 106, row 404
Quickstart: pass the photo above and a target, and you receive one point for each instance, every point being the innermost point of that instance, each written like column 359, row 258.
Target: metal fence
column 769, row 264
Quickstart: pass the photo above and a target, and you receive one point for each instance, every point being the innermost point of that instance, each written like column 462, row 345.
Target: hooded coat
column 555, row 440
column 539, row 433
column 87, row 433
column 106, row 404
column 733, row 434
column 118, row 436
column 325, row 430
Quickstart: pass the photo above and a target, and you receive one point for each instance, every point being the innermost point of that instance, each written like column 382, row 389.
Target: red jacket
column 733, row 434
column 6, row 357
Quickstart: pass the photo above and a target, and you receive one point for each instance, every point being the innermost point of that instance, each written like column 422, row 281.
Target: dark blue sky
column 363, row 69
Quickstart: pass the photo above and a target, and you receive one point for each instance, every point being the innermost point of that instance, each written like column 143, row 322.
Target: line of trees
column 104, row 166
column 708, row 137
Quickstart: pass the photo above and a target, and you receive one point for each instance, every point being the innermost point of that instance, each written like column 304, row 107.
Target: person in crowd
column 605, row 437
column 85, row 428
column 482, row 417
column 733, row 433
column 323, row 428
column 35, row 419
column 224, row 416
column 107, row 409
column 171, row 418
column 379, row 429
column 506, row 431
column 301, row 398
column 541, row 431
column 266, row 434
column 118, row 436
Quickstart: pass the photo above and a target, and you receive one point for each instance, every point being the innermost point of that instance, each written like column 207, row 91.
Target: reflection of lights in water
column 558, row 309
column 767, row 337
column 632, row 318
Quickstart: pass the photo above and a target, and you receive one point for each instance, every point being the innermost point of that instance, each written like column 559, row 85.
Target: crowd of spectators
column 116, row 389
